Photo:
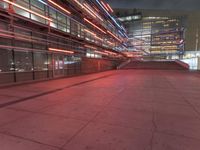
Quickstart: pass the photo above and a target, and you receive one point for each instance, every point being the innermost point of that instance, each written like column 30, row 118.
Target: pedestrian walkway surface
column 114, row 110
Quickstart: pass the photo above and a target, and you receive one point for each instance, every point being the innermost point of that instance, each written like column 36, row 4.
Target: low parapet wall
column 91, row 65
column 161, row 65
column 183, row 64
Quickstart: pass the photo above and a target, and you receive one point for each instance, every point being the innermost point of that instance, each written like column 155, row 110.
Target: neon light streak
column 63, row 9
column 103, row 53
column 125, row 35
column 99, row 17
column 88, row 46
column 123, row 28
column 110, row 43
column 93, row 34
column 108, row 14
column 111, row 24
column 112, row 53
column 42, row 2
column 114, row 36
column 28, row 10
column 88, row 7
column 96, row 9
column 6, row 35
column 94, row 25
column 121, row 33
column 79, row 3
column 110, row 8
column 88, row 10
column 116, row 22
column 104, row 5
column 61, row 50
column 98, row 38
column 90, row 32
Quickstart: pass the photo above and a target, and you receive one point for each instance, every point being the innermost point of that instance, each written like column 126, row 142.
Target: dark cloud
column 156, row 4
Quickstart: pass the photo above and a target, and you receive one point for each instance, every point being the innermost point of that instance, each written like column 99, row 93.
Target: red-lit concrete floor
column 115, row 110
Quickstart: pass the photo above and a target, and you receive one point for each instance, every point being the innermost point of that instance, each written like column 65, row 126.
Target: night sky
column 156, row 4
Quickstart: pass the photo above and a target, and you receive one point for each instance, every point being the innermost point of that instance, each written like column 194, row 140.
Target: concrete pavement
column 114, row 110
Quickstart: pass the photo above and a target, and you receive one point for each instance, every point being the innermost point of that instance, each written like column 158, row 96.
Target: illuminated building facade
column 153, row 35
column 52, row 38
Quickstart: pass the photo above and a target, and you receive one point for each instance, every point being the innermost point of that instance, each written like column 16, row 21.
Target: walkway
column 114, row 110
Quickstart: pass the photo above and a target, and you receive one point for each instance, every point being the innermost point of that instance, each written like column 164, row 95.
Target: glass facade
column 23, row 61
column 40, row 61
column 40, row 39
column 160, row 36
column 154, row 35
column 59, row 20
column 6, row 58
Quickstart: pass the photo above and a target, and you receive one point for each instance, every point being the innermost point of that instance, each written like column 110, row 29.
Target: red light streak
column 104, row 5
column 96, row 9
column 110, row 43
column 103, row 53
column 114, row 36
column 88, row 46
column 28, row 10
column 90, row 32
column 110, row 8
column 112, row 53
column 93, row 34
column 6, row 35
column 98, row 38
column 94, row 25
column 63, row 9
column 79, row 3
column 89, row 12
column 88, row 7
column 129, row 55
column 61, row 50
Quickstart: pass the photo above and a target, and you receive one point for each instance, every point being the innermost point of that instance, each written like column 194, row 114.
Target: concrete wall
column 91, row 65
